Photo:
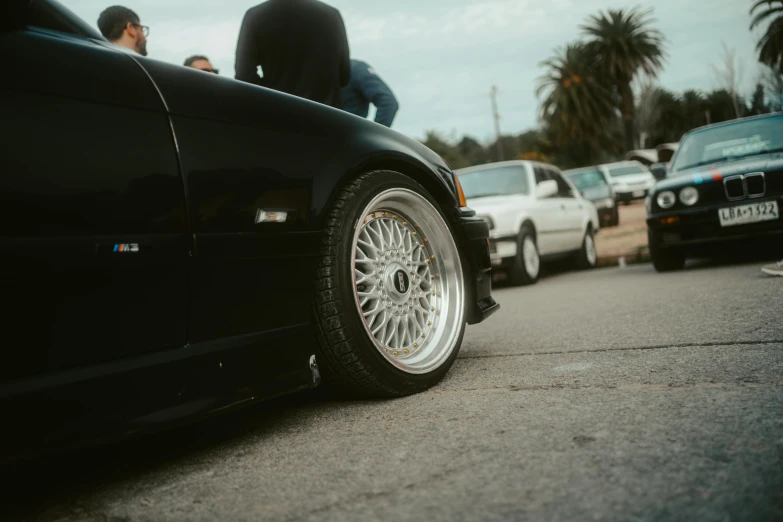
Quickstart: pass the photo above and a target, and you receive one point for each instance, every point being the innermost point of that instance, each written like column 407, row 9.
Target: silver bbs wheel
column 408, row 281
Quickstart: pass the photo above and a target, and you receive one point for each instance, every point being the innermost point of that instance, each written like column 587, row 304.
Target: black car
column 175, row 243
column 725, row 184
column 594, row 187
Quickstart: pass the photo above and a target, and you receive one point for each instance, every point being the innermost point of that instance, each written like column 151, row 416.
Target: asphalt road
column 616, row 394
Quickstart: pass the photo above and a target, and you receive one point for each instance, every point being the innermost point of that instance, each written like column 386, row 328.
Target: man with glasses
column 122, row 27
column 201, row 63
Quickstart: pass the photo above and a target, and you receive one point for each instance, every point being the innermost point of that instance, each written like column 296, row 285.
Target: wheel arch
column 433, row 182
column 527, row 221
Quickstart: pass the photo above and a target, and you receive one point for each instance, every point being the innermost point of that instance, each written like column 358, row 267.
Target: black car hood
column 723, row 169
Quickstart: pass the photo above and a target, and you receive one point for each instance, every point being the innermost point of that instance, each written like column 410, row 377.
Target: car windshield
column 498, row 181
column 726, row 142
column 628, row 170
column 586, row 179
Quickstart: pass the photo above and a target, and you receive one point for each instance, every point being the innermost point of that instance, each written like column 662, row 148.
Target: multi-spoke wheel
column 391, row 310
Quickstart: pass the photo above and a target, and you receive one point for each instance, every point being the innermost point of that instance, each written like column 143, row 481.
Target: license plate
column 638, row 193
column 744, row 214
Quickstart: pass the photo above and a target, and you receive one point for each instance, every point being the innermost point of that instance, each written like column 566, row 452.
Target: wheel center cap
column 399, row 283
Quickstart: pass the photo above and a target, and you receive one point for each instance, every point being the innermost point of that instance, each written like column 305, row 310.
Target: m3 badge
column 126, row 247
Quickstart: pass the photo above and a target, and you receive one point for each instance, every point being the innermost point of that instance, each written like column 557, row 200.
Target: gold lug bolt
column 429, row 324
column 394, row 217
column 432, row 256
column 404, row 222
column 394, row 353
column 415, row 345
column 414, row 233
column 405, row 351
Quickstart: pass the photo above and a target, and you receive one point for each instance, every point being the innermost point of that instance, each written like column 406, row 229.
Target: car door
column 572, row 215
column 549, row 217
column 93, row 239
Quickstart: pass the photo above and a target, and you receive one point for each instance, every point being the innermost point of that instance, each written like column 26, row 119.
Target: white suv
column 534, row 213
column 630, row 179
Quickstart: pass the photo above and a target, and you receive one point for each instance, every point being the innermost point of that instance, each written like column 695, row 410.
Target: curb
column 640, row 255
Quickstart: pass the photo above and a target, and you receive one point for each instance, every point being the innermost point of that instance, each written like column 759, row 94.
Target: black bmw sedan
column 725, row 185
column 174, row 243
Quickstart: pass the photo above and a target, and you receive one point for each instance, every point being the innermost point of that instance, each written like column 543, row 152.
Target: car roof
column 581, row 169
column 627, row 163
column 499, row 164
column 494, row 165
column 728, row 123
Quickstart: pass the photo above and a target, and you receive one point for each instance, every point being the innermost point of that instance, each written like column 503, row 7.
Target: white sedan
column 535, row 215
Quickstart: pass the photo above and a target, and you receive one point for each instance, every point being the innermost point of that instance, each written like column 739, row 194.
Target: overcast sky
column 442, row 56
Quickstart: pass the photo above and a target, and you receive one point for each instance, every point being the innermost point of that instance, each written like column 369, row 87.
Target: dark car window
column 586, row 179
column 541, row 174
column 563, row 188
column 736, row 140
column 626, row 171
column 499, row 181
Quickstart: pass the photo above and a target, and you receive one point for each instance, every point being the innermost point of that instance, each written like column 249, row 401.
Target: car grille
column 735, row 188
column 751, row 185
column 754, row 183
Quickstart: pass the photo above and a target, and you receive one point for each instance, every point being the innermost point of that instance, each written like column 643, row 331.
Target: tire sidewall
column 382, row 181
column 521, row 276
column 584, row 259
column 664, row 259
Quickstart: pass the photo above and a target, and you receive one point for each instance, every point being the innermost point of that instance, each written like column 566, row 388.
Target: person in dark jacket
column 366, row 87
column 301, row 47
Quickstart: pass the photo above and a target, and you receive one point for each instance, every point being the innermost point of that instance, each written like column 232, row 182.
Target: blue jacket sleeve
column 378, row 93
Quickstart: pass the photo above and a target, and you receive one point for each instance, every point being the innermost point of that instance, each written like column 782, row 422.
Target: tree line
column 599, row 98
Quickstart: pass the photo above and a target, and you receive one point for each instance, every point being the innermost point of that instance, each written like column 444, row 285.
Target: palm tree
column 770, row 46
column 576, row 104
column 623, row 43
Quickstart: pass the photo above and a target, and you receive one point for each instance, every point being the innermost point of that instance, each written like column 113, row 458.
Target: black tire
column 616, row 219
column 582, row 260
column 664, row 259
column 518, row 274
column 351, row 363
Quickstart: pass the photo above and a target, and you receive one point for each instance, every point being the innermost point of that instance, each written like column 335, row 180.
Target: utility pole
column 496, row 116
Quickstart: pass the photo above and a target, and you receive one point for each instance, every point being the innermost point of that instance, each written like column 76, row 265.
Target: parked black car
column 725, row 183
column 594, row 187
column 175, row 243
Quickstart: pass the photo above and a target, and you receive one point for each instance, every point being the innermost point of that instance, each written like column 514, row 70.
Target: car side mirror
column 13, row 15
column 546, row 189
column 658, row 171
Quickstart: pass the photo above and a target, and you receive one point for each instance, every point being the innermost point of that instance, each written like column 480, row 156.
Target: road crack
column 621, row 387
column 625, row 349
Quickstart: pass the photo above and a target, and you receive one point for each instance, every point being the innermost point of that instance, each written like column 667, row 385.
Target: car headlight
column 604, row 203
column 666, row 199
column 689, row 196
column 489, row 221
